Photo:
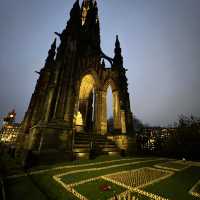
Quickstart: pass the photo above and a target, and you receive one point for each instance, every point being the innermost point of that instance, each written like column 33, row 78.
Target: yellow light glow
column 87, row 84
column 79, row 119
column 80, row 155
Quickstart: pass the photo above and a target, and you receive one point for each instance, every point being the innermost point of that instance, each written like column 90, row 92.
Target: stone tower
column 70, row 94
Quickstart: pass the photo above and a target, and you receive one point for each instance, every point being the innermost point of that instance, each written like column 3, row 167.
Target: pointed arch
column 85, row 99
column 110, row 82
column 115, row 105
column 94, row 75
column 86, row 86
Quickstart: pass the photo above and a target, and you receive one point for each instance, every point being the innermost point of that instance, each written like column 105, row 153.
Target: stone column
column 36, row 112
column 32, row 139
column 103, row 113
column 69, row 110
column 97, row 104
column 100, row 123
column 116, row 111
column 64, row 92
column 123, row 121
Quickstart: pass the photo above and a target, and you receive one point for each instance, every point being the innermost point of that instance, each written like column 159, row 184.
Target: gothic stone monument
column 69, row 101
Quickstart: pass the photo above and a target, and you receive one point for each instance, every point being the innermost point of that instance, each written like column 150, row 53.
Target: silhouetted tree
column 184, row 141
column 188, row 137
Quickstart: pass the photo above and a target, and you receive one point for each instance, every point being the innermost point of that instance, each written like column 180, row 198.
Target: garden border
column 192, row 190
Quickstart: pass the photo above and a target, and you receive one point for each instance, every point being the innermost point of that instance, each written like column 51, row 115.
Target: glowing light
column 79, row 119
column 86, row 87
column 80, row 155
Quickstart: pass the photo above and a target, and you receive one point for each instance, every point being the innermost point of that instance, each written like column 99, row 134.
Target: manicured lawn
column 41, row 184
column 23, row 188
column 47, row 184
column 178, row 186
column 85, row 175
column 93, row 189
column 173, row 165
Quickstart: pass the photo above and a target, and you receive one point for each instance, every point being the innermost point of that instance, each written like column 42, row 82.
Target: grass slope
column 42, row 186
column 177, row 186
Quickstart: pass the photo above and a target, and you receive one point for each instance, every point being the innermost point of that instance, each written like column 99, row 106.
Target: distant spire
column 117, row 43
column 118, row 59
column 51, row 53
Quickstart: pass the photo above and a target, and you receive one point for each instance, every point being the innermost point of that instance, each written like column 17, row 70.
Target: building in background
column 10, row 130
column 154, row 138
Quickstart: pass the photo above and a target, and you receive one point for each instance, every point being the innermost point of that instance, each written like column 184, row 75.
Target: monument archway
column 86, row 101
column 115, row 106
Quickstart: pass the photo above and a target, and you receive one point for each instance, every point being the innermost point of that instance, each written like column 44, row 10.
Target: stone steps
column 102, row 145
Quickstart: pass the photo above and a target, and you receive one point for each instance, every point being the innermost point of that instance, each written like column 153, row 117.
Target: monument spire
column 75, row 15
column 90, row 22
column 75, row 9
column 86, row 4
column 118, row 59
column 72, row 29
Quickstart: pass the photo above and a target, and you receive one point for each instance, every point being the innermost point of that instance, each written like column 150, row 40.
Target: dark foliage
column 183, row 141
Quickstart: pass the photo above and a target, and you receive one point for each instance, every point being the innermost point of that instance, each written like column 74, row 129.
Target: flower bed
column 139, row 177
column 99, row 189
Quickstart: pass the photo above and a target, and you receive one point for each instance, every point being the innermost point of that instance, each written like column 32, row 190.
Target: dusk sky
column 160, row 42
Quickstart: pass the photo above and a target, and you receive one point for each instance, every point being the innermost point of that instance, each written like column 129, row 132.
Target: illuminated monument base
column 68, row 109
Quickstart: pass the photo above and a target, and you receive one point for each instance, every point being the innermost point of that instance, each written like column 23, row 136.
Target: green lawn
column 173, row 165
column 42, row 186
column 23, row 188
column 178, row 185
column 46, row 183
column 93, row 189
